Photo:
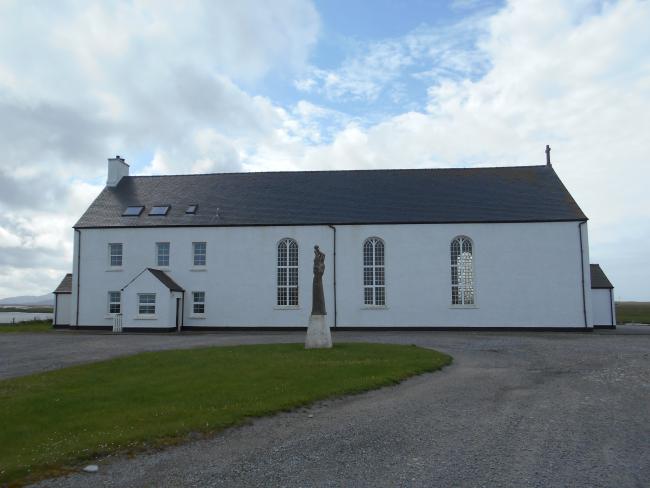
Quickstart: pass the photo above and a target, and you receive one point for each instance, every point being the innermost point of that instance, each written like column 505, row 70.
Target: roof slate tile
column 599, row 278
column 502, row 194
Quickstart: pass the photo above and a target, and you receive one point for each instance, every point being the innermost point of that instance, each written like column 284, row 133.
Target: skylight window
column 160, row 210
column 191, row 209
column 133, row 211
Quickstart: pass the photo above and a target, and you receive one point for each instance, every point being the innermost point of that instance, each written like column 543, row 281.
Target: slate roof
column 66, row 285
column 598, row 277
column 501, row 194
column 165, row 279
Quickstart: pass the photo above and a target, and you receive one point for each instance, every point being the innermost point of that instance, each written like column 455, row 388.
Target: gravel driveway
column 22, row 354
column 515, row 409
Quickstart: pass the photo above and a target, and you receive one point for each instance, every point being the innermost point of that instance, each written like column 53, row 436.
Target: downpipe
column 582, row 267
column 611, row 307
column 334, row 266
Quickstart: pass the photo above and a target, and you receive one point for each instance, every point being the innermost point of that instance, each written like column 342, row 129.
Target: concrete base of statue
column 318, row 333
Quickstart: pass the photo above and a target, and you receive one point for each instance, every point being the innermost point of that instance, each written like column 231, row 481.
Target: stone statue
column 318, row 332
column 318, row 296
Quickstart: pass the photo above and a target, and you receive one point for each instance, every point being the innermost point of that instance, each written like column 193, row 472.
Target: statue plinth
column 318, row 333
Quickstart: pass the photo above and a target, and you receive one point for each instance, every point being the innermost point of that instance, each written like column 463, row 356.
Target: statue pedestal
column 318, row 333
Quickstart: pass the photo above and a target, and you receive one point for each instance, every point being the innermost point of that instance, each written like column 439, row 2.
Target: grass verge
column 55, row 420
column 31, row 326
column 27, row 309
column 633, row 312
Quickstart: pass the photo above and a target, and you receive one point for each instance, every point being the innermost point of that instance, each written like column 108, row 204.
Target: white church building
column 498, row 247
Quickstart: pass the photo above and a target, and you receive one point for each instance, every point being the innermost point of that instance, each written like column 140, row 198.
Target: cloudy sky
column 194, row 86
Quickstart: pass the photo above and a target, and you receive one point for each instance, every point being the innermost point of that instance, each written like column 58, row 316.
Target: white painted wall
column 76, row 281
column 586, row 274
column 165, row 316
column 62, row 308
column 526, row 275
column 603, row 307
column 239, row 278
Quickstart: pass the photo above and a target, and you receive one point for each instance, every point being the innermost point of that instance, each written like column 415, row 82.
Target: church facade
column 502, row 247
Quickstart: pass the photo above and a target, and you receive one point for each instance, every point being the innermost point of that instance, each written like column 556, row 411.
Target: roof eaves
column 315, row 224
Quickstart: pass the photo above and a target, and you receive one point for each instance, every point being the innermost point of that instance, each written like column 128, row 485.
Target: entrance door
column 179, row 314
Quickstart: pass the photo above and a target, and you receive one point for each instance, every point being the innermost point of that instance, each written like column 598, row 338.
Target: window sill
column 162, row 268
column 198, row 268
column 287, row 307
column 197, row 316
column 463, row 306
column 114, row 268
column 146, row 317
column 374, row 307
column 110, row 316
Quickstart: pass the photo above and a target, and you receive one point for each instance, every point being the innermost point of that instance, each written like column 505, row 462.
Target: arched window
column 288, row 272
column 462, row 271
column 374, row 275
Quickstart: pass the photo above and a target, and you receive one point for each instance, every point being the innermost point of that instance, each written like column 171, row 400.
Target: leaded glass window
column 287, row 273
column 374, row 272
column 462, row 271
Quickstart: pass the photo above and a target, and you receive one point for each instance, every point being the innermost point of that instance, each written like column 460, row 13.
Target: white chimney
column 117, row 168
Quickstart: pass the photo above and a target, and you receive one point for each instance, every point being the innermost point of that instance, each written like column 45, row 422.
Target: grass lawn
column 55, row 420
column 27, row 309
column 636, row 312
column 31, row 326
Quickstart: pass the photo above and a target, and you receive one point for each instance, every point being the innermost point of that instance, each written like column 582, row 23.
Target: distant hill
column 29, row 300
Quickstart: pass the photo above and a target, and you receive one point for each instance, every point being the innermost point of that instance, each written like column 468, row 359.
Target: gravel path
column 515, row 409
column 23, row 354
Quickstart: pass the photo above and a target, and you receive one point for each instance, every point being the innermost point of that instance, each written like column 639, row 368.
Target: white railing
column 117, row 322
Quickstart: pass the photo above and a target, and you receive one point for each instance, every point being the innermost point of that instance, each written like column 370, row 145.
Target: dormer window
column 191, row 209
column 160, row 210
column 133, row 211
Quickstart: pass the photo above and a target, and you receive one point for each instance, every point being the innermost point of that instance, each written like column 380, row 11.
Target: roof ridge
column 366, row 170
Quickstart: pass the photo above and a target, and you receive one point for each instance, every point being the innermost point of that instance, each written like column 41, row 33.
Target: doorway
column 179, row 314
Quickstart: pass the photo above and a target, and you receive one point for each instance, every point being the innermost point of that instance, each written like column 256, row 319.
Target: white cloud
column 80, row 81
column 305, row 85
column 8, row 238
column 376, row 67
column 36, row 241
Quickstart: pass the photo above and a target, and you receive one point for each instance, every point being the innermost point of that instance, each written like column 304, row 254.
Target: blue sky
column 350, row 31
column 210, row 86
